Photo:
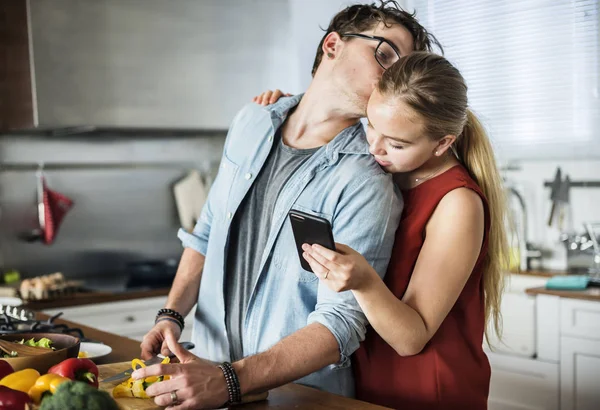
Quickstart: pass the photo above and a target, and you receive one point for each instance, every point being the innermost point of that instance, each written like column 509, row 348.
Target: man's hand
column 196, row 383
column 155, row 341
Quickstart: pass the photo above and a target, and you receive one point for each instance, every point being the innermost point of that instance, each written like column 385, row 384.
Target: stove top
column 16, row 319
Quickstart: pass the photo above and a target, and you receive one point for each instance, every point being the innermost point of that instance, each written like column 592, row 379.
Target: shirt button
column 270, row 138
column 229, row 215
column 248, row 176
column 224, row 166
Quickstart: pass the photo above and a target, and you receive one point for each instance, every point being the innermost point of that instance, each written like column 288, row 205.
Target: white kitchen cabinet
column 519, row 383
column 131, row 318
column 580, row 318
column 579, row 374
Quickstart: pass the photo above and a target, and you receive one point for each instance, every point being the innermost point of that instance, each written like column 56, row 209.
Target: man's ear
column 332, row 45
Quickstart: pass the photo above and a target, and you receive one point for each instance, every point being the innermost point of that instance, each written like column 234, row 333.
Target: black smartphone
column 310, row 229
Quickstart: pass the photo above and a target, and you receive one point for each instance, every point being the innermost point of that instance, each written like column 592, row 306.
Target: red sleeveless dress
column 452, row 372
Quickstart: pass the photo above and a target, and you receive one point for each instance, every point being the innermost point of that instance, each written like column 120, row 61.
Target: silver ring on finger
column 174, row 399
column 326, row 274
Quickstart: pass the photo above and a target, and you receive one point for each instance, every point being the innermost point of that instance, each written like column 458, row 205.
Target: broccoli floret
column 75, row 395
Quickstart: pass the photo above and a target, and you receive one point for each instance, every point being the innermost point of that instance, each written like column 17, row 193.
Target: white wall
column 308, row 16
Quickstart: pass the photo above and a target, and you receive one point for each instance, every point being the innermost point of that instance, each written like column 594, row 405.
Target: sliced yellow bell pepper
column 137, row 388
column 123, row 390
column 21, row 380
column 46, row 383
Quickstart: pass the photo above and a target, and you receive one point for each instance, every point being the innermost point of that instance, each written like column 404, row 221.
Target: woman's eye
column 397, row 147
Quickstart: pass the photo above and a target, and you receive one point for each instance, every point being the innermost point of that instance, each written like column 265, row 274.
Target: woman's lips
column 382, row 163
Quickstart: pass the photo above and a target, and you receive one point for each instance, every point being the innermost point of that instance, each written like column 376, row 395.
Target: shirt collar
column 351, row 140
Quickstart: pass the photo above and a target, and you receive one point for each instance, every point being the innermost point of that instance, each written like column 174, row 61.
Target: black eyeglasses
column 386, row 53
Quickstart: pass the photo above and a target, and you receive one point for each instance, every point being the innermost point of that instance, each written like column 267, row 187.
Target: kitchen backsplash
column 584, row 202
column 124, row 208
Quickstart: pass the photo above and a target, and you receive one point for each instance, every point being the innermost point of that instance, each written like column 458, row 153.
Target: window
column 532, row 68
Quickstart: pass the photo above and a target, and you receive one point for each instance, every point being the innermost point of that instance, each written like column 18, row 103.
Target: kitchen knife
column 149, row 362
column 563, row 198
column 555, row 188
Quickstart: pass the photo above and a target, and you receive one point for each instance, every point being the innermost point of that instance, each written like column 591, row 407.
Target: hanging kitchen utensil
column 37, row 233
column 564, row 208
column 554, row 194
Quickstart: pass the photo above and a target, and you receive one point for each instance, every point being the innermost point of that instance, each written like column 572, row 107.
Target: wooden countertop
column 540, row 273
column 88, row 298
column 587, row 294
column 290, row 396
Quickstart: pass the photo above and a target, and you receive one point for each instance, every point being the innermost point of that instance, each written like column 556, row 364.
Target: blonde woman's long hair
column 437, row 92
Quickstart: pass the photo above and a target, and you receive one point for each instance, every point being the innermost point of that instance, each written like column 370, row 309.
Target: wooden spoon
column 22, row 350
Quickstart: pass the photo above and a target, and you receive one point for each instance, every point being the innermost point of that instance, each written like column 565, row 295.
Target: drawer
column 522, row 383
column 580, row 318
column 133, row 318
column 100, row 309
column 518, row 326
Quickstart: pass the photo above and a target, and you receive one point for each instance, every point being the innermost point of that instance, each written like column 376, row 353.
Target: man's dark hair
column 362, row 17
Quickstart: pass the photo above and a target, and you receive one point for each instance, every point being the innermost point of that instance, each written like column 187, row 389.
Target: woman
column 444, row 281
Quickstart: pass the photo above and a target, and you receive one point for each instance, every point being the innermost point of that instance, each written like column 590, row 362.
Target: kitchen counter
column 290, row 396
column 540, row 273
column 587, row 294
column 89, row 298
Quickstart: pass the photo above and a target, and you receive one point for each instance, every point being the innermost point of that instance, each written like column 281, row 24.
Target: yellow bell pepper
column 46, row 383
column 21, row 380
column 137, row 388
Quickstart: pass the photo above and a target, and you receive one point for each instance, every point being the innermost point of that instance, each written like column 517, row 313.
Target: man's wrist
column 174, row 315
column 232, row 382
column 240, row 370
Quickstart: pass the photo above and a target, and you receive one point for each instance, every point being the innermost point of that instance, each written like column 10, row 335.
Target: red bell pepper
column 5, row 369
column 13, row 399
column 77, row 369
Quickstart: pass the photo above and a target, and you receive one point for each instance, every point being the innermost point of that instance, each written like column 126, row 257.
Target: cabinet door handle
column 130, row 319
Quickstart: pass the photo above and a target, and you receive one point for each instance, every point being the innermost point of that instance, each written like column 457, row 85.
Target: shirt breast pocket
column 222, row 185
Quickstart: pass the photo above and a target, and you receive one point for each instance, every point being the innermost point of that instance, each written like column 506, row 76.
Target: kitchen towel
column 571, row 282
column 190, row 196
column 56, row 206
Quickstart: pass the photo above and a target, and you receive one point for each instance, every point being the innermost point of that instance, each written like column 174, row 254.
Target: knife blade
column 154, row 360
column 563, row 197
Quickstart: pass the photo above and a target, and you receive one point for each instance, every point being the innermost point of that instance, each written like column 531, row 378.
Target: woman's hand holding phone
column 341, row 270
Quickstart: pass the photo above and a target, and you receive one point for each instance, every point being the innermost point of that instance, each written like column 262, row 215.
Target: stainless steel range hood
column 152, row 64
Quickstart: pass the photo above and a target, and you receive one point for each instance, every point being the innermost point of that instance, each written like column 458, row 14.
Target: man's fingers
column 178, row 350
column 157, row 370
column 164, row 350
column 150, row 345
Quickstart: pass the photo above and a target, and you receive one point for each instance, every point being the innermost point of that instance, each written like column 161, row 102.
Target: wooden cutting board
column 108, row 370
column 125, row 403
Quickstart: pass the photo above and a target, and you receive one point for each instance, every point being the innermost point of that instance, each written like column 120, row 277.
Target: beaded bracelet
column 233, row 383
column 170, row 312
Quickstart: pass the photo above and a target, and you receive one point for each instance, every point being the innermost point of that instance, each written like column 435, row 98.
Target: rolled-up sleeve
column 366, row 220
column 198, row 238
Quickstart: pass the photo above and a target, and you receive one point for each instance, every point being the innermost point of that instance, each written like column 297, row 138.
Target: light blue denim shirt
column 340, row 182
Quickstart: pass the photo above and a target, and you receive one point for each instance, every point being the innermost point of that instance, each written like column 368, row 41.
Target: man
column 257, row 307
